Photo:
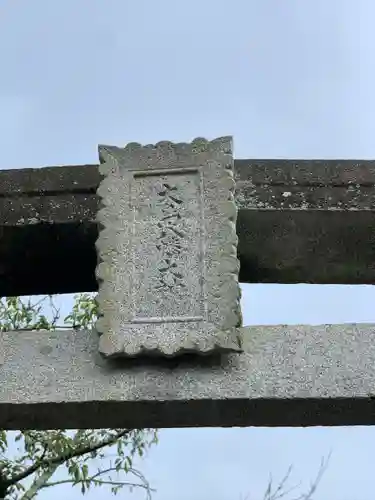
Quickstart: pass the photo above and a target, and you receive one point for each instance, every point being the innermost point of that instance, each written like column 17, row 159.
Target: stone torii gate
column 169, row 349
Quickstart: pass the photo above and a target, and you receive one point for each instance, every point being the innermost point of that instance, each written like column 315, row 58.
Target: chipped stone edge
column 165, row 152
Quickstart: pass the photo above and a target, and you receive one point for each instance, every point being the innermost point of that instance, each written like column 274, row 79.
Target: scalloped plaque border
column 219, row 329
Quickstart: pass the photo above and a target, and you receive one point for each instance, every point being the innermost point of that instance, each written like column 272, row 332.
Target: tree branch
column 132, row 471
column 99, row 481
column 39, row 483
column 64, row 457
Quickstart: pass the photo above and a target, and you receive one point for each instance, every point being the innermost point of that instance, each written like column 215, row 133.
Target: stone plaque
column 167, row 250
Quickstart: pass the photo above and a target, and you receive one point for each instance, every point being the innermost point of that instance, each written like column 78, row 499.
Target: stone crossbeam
column 299, row 221
column 287, row 376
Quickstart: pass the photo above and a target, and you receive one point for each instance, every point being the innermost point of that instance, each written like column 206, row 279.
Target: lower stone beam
column 287, row 376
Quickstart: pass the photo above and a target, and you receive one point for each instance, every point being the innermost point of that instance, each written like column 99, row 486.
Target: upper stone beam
column 299, row 221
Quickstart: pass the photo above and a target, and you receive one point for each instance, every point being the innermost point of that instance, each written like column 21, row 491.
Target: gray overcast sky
column 288, row 79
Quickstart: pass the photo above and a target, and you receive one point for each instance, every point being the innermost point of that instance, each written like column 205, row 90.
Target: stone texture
column 299, row 221
column 286, row 376
column 167, row 250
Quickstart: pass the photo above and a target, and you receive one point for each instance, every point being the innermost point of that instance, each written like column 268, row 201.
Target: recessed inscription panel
column 167, row 250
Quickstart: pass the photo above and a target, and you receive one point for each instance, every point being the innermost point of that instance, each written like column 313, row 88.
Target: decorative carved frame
column 204, row 171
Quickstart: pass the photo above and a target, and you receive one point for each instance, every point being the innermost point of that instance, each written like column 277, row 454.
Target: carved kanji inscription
column 167, row 247
column 171, row 238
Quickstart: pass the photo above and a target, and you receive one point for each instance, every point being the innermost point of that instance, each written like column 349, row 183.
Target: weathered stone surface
column 306, row 221
column 168, row 267
column 286, row 376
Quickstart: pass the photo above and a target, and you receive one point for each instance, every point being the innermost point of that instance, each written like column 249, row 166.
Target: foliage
column 42, row 453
